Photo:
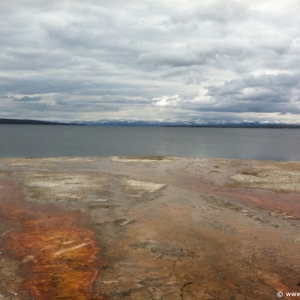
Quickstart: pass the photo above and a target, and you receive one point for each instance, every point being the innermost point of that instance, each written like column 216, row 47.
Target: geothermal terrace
column 149, row 228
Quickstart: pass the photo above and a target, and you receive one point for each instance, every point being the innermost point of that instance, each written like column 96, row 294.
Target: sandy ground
column 149, row 228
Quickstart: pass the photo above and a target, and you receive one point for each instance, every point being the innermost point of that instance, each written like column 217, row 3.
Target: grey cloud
column 279, row 84
column 189, row 57
column 27, row 99
column 216, row 11
column 265, row 93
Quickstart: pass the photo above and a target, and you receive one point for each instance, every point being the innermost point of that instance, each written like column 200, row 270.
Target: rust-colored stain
column 271, row 201
column 57, row 255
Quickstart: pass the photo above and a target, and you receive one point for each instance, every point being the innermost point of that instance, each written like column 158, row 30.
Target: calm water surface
column 54, row 141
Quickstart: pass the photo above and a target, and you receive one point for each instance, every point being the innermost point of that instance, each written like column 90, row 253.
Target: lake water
column 54, row 141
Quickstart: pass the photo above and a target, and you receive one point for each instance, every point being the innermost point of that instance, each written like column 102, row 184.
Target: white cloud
column 174, row 100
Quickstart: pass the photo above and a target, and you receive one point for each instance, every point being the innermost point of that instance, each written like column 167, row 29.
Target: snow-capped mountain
column 193, row 122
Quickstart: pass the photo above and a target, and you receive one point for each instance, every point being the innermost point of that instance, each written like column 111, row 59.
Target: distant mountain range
column 191, row 123
column 163, row 123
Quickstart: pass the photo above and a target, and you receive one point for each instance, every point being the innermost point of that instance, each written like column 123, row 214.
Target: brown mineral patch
column 279, row 177
column 264, row 196
column 57, row 255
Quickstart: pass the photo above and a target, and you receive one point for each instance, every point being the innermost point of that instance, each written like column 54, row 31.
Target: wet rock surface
column 148, row 228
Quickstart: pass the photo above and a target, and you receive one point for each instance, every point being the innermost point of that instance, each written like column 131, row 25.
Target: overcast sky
column 166, row 59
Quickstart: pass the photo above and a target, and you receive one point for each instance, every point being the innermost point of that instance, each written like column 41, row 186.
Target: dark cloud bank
column 74, row 60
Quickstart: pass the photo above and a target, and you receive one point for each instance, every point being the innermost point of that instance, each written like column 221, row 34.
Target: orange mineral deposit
column 57, row 255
